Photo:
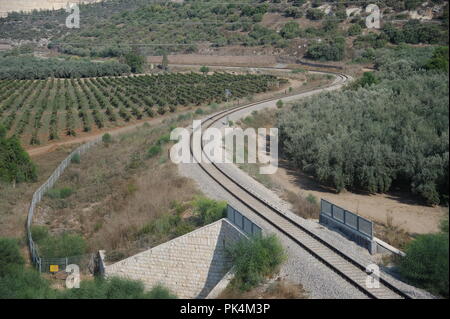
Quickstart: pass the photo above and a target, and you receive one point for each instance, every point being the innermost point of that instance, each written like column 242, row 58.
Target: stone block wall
column 190, row 265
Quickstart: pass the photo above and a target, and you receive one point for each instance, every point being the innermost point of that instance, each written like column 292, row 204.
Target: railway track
column 336, row 260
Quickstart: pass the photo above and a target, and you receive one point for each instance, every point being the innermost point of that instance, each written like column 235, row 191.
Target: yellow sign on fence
column 54, row 268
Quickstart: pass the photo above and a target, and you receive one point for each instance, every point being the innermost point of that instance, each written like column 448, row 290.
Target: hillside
column 110, row 28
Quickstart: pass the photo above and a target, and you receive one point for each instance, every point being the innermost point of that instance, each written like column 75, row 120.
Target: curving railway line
column 336, row 260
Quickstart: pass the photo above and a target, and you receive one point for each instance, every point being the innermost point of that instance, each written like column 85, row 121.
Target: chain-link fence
column 42, row 263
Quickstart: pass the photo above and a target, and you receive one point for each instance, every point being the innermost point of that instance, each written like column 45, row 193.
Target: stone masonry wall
column 190, row 265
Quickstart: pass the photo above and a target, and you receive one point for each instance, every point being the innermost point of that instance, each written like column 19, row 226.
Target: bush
column 312, row 199
column 255, row 259
column 331, row 50
column 209, row 210
column 39, row 233
column 64, row 245
column 426, row 263
column 15, row 164
column 153, row 151
column 9, row 254
column 24, row 283
column 59, row 193
column 280, row 104
column 75, row 159
column 160, row 292
column 107, row 138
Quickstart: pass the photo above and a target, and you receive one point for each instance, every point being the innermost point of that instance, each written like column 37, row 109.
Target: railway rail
column 339, row 262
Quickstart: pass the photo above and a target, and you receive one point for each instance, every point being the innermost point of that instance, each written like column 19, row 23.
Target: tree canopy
column 390, row 130
column 15, row 163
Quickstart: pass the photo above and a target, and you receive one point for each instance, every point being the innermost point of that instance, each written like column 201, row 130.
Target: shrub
column 280, row 104
column 15, row 163
column 312, row 199
column 9, row 254
column 39, row 233
column 255, row 259
column 59, row 193
column 75, row 159
column 160, row 292
column 64, row 245
column 107, row 138
column 24, row 283
column 315, row 14
column 116, row 288
column 209, row 210
column 426, row 263
column 153, row 151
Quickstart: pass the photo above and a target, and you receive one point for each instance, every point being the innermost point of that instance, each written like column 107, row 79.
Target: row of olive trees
column 27, row 67
column 392, row 131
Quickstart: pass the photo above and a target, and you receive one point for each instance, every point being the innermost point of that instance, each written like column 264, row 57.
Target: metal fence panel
column 242, row 222
column 247, row 226
column 338, row 213
column 230, row 214
column 238, row 219
column 360, row 224
column 351, row 219
column 365, row 226
column 326, row 207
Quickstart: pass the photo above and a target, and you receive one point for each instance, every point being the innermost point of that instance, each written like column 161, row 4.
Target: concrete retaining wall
column 190, row 265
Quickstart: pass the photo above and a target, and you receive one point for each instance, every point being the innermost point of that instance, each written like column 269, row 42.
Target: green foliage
column 439, row 61
column 75, row 159
column 208, row 210
column 290, row 30
column 39, row 233
column 160, row 292
column 28, row 67
column 312, row 199
column 368, row 79
column 426, row 263
column 315, row 14
column 9, row 254
column 20, row 282
column 204, row 69
column 106, row 138
column 135, row 61
column 59, row 193
column 330, row 50
column 154, row 150
column 15, row 163
column 394, row 132
column 354, row 29
column 280, row 104
column 116, row 288
column 24, row 283
column 59, row 246
column 415, row 32
column 255, row 259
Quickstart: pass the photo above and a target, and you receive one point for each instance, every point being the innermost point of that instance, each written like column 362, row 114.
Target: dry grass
column 301, row 206
column 392, row 234
column 279, row 289
column 117, row 190
column 15, row 201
